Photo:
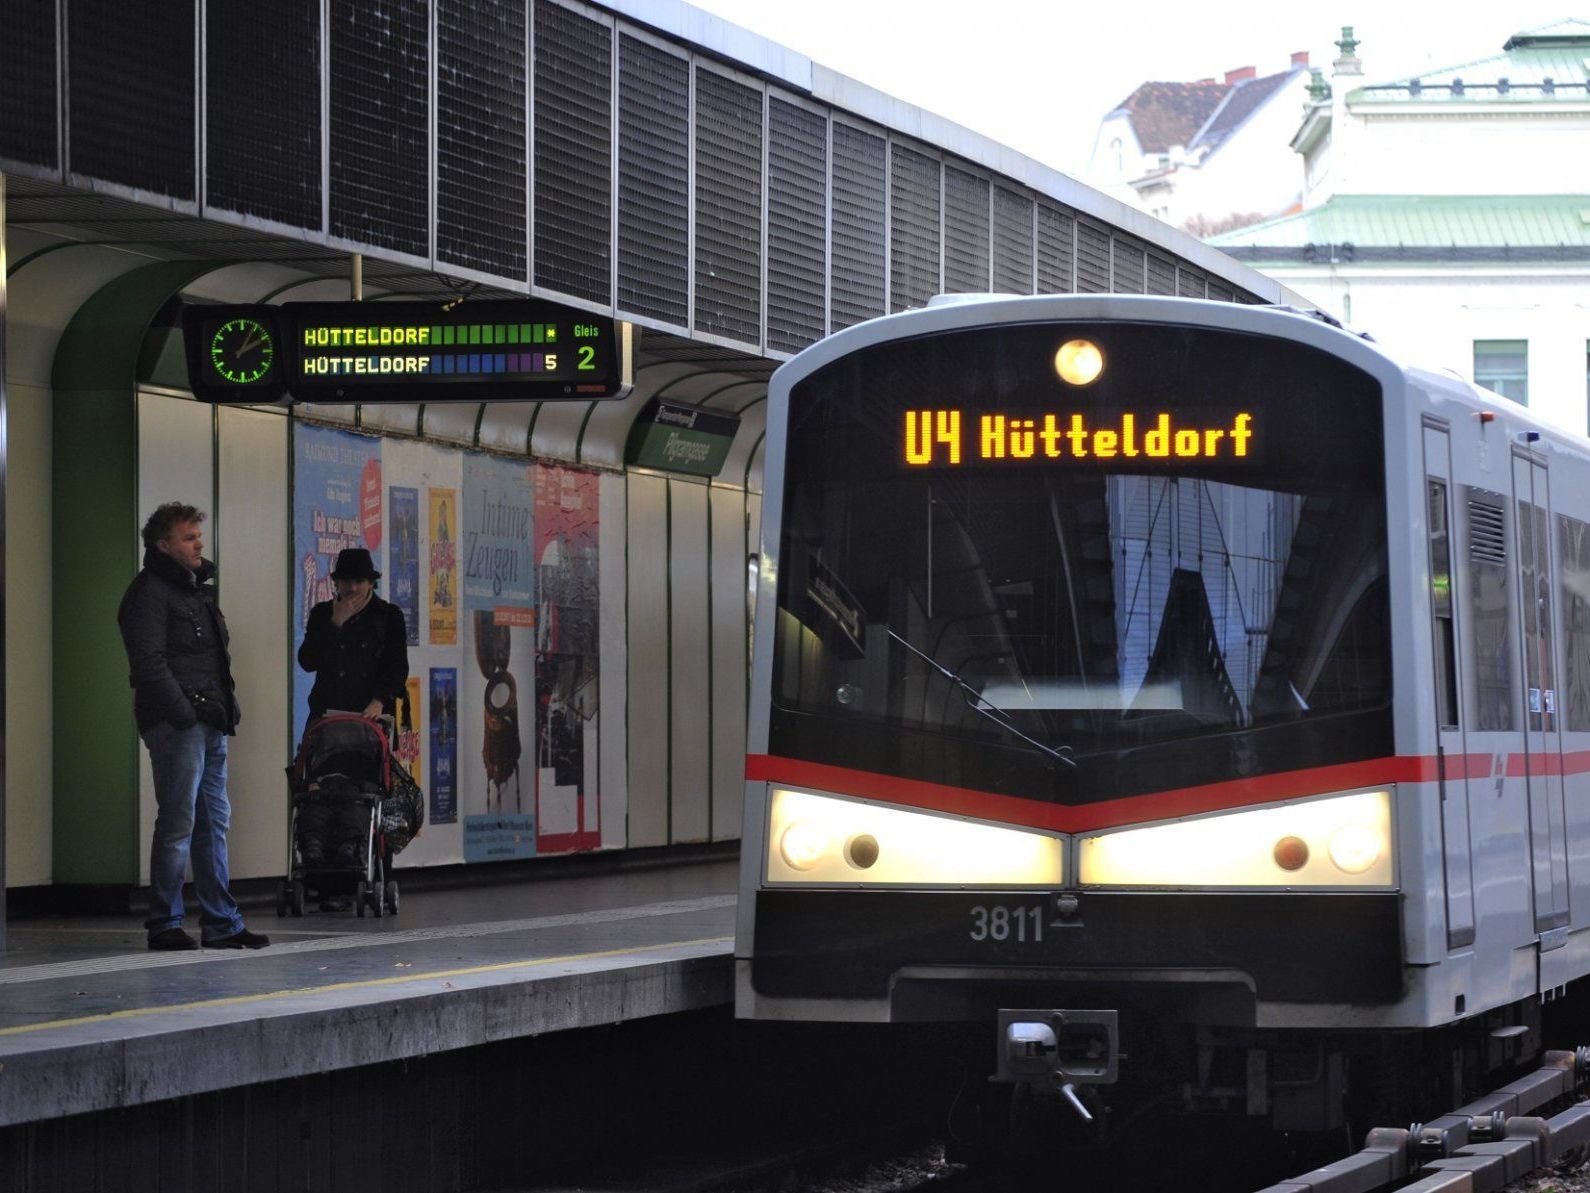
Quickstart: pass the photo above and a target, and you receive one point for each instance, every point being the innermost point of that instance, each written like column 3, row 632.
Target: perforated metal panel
column 480, row 141
column 1220, row 291
column 1056, row 251
column 856, row 281
column 262, row 122
column 653, row 181
column 573, row 153
column 28, row 129
column 728, row 208
column 380, row 80
column 1161, row 275
column 1012, row 242
column 1093, row 259
column 131, row 94
column 914, row 215
column 797, row 203
column 1127, row 267
column 965, row 232
column 1189, row 283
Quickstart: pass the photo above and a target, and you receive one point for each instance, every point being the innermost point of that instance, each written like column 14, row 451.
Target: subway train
column 1189, row 694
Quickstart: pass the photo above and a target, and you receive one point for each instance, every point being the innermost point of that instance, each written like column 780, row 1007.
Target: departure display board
column 948, row 438
column 371, row 352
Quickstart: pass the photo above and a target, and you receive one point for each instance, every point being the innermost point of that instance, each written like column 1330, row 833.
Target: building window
column 1503, row 366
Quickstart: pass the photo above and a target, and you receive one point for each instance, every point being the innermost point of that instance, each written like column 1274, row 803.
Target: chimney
column 1299, row 58
column 1242, row 72
column 1348, row 63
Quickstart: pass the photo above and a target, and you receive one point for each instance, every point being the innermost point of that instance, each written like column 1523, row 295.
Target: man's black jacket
column 177, row 646
column 366, row 659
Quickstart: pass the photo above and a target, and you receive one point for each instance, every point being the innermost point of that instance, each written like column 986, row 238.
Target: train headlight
column 822, row 839
column 802, row 845
column 1079, row 362
column 1355, row 848
column 1334, row 841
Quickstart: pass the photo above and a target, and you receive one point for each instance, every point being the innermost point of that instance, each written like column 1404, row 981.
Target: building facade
column 1448, row 215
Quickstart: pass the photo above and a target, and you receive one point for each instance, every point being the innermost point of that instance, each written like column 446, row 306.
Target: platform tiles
column 119, row 1026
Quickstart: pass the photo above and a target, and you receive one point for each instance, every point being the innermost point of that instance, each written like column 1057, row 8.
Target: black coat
column 178, row 649
column 365, row 659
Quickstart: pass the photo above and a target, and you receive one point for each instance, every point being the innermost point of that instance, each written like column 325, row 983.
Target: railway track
column 1483, row 1147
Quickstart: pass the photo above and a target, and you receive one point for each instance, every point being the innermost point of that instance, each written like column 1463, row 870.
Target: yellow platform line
column 364, row 984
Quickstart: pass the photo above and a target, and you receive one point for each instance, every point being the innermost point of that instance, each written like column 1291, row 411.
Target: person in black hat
column 356, row 644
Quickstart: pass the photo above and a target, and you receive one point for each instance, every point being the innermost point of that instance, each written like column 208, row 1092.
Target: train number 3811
column 1000, row 923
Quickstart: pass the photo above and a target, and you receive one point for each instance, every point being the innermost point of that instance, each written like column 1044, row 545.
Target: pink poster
column 566, row 555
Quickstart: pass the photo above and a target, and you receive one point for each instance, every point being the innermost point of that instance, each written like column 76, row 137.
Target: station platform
column 91, row 1020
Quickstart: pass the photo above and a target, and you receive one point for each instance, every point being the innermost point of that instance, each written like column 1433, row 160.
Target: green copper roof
column 1426, row 221
column 1544, row 65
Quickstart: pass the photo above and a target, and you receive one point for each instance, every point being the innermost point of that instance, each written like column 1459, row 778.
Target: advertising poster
column 403, row 557
column 336, row 504
column 498, row 572
column 566, row 551
column 498, row 507
column 443, row 789
column 442, row 579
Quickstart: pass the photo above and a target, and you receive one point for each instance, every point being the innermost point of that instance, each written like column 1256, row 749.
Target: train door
column 1548, row 835
column 1451, row 751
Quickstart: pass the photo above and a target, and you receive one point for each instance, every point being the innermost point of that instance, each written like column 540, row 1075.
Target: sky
column 1038, row 75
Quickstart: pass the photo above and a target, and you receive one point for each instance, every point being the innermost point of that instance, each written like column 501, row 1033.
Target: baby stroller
column 346, row 824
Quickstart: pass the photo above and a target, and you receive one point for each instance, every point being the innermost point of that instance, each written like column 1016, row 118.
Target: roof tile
column 1166, row 114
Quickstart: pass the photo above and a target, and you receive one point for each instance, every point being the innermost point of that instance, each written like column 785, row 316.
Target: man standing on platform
column 184, row 700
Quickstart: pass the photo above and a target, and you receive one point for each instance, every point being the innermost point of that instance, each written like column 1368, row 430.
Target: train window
column 1534, row 582
column 970, row 618
column 1573, row 537
column 1490, row 611
column 1441, row 606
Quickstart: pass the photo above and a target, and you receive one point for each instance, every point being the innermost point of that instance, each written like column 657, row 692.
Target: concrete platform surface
column 91, row 1020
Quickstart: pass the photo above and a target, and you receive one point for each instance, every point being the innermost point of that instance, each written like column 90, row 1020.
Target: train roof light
column 1079, row 362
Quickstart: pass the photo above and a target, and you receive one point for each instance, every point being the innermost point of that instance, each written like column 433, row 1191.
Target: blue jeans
column 192, row 816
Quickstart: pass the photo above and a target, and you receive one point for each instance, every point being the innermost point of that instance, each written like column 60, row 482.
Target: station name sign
column 681, row 438
column 373, row 352
column 946, row 438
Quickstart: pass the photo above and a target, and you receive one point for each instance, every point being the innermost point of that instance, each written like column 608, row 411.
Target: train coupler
column 1057, row 1050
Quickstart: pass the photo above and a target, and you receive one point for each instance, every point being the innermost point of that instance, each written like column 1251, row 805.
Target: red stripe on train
column 1184, row 801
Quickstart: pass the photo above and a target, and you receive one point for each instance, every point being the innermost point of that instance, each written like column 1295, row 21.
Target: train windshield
column 1169, row 570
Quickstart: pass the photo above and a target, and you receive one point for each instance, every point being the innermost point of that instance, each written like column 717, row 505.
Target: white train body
column 910, row 856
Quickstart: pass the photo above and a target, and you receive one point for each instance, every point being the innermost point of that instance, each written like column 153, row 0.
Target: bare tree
column 1203, row 226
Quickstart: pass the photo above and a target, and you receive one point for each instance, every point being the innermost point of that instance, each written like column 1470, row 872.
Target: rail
column 1483, row 1146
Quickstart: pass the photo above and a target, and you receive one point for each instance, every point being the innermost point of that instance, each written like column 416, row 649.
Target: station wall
column 661, row 704
column 663, row 698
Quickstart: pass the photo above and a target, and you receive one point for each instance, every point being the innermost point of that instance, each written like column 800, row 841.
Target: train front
column 1077, row 680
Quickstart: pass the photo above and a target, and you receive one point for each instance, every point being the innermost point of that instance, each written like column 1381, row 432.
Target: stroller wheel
column 281, row 899
column 297, row 897
column 377, row 904
column 392, row 895
column 361, row 895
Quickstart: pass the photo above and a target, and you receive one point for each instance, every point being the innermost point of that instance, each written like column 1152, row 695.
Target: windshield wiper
column 974, row 701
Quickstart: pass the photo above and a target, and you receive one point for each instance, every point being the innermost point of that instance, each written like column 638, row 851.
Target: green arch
column 94, row 503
